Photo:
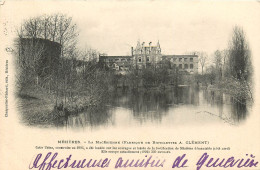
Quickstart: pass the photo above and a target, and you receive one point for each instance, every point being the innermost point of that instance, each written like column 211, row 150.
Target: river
column 169, row 108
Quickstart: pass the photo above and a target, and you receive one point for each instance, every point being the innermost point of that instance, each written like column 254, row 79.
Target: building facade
column 187, row 63
column 118, row 63
column 143, row 56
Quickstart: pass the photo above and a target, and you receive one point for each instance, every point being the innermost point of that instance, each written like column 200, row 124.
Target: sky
column 181, row 27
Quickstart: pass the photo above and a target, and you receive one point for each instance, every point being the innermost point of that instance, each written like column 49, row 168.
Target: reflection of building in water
column 154, row 105
column 187, row 95
column 173, row 106
column 194, row 96
column 145, row 56
column 149, row 105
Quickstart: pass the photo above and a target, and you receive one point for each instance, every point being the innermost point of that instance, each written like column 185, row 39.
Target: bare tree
column 202, row 60
column 53, row 26
column 58, row 28
column 225, row 55
column 45, row 25
column 32, row 27
column 28, row 60
column 203, row 57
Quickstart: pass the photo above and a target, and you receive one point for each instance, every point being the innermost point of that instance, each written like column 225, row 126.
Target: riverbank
column 36, row 107
column 239, row 90
column 42, row 108
column 39, row 107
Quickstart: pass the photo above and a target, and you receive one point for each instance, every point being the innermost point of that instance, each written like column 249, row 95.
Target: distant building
column 187, row 63
column 118, row 63
column 146, row 56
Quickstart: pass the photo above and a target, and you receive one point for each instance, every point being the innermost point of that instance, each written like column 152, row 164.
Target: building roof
column 40, row 40
column 116, row 56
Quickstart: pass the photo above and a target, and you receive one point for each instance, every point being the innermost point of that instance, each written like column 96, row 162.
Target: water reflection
column 92, row 118
column 171, row 107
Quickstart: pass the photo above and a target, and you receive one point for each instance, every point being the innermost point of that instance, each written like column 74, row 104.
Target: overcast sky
column 180, row 26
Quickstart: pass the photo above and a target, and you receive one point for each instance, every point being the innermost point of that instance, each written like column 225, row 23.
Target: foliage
column 231, row 69
column 240, row 66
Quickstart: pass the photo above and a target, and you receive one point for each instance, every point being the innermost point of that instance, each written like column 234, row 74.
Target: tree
column 240, row 66
column 28, row 63
column 202, row 57
column 57, row 27
column 211, row 74
column 202, row 60
column 32, row 27
column 218, row 61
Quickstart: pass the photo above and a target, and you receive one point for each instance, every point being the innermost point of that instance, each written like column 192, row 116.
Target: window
column 139, row 59
column 191, row 66
column 174, row 59
column 122, row 59
column 180, row 59
column 174, row 65
column 128, row 59
column 186, row 66
column 180, row 66
column 185, row 59
column 191, row 59
column 148, row 59
column 116, row 59
column 110, row 60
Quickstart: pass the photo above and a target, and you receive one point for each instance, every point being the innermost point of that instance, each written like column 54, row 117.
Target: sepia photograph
column 149, row 84
column 143, row 68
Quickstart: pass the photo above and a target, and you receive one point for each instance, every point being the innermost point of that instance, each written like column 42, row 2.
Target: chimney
column 132, row 51
column 150, row 45
column 143, row 49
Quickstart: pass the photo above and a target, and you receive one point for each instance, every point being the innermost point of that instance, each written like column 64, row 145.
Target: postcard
column 129, row 85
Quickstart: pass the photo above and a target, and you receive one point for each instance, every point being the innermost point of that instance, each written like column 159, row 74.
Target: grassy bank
column 38, row 107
